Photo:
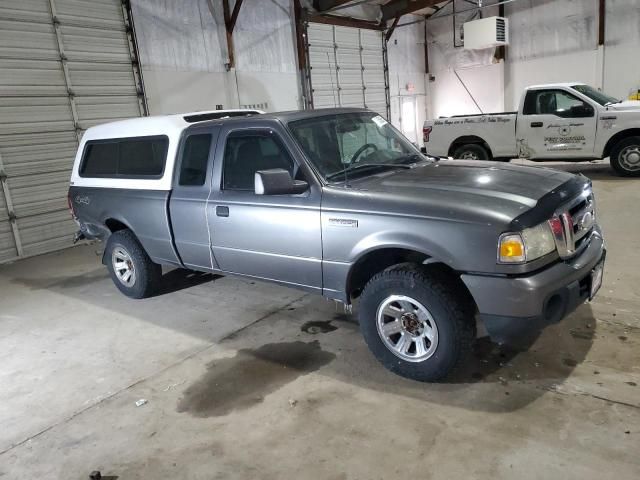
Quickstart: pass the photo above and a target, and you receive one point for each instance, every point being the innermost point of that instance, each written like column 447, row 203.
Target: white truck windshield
column 596, row 95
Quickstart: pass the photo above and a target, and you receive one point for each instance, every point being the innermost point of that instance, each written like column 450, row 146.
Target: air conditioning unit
column 486, row 33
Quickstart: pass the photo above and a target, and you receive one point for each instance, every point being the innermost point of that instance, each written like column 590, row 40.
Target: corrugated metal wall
column 65, row 65
column 347, row 67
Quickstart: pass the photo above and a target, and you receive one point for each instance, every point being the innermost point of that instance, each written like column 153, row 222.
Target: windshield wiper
column 360, row 166
column 412, row 159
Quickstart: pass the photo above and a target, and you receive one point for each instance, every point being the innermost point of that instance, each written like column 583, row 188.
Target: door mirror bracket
column 578, row 111
column 277, row 181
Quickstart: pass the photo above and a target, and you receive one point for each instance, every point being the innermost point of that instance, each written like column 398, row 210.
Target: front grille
column 584, row 218
column 578, row 220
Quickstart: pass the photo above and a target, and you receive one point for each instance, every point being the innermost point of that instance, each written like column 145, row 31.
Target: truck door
column 191, row 188
column 555, row 124
column 267, row 236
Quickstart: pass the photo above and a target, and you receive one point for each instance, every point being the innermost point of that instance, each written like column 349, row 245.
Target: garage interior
column 223, row 377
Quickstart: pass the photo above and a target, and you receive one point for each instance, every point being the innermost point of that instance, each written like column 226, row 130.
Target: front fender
column 403, row 240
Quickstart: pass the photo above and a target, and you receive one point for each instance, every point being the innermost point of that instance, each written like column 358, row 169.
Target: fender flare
column 464, row 139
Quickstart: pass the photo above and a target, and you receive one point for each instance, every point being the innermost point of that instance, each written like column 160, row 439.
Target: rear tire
column 414, row 324
column 131, row 269
column 625, row 157
column 471, row 151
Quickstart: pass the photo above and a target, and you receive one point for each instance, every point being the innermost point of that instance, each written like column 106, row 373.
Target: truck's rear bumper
column 545, row 297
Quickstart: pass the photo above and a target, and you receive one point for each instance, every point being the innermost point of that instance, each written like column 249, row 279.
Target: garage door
column 347, row 67
column 65, row 65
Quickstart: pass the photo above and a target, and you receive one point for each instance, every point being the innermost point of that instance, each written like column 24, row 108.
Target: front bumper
column 540, row 298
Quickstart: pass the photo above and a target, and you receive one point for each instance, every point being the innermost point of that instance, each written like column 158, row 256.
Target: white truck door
column 554, row 123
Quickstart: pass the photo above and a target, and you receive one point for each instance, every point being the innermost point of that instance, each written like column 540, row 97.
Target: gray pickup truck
column 338, row 203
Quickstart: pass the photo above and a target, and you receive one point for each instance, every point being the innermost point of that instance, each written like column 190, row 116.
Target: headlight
column 527, row 245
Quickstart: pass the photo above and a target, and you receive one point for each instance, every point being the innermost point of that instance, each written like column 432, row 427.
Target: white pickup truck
column 559, row 121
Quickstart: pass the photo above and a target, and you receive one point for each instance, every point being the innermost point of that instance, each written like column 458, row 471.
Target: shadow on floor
column 179, row 279
column 172, row 281
column 496, row 377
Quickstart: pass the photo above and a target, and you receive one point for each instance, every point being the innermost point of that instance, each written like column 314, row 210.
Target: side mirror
column 581, row 111
column 423, row 150
column 277, row 181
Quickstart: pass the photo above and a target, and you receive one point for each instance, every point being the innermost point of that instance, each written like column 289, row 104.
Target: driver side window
column 246, row 153
column 555, row 102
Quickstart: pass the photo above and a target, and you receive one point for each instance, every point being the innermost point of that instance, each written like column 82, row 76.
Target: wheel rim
column 123, row 266
column 407, row 328
column 469, row 156
column 630, row 157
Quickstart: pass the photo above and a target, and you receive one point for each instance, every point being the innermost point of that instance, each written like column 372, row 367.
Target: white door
column 56, row 80
column 347, row 67
column 555, row 124
column 408, row 118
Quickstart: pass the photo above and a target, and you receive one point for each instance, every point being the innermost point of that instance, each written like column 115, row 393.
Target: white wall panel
column 551, row 41
column 183, row 53
column 622, row 40
column 476, row 69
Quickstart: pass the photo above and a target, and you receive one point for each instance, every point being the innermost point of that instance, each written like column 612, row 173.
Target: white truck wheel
column 471, row 151
column 625, row 157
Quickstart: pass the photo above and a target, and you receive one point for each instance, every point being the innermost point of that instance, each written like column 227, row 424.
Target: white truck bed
column 496, row 130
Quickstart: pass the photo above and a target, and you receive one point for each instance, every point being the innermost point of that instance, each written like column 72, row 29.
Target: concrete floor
column 251, row 380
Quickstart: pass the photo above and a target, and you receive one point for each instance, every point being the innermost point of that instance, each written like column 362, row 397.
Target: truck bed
column 496, row 131
column 480, row 114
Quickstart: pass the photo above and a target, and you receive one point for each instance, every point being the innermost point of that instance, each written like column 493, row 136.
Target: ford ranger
column 560, row 121
column 337, row 202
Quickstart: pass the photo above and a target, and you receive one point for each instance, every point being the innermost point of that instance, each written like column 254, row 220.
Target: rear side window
column 195, row 158
column 143, row 157
column 100, row 159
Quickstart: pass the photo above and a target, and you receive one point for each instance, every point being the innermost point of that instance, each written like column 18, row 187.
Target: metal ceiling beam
column 234, row 15
column 397, row 8
column 230, row 19
column 391, row 29
column 324, row 5
column 346, row 22
column 602, row 12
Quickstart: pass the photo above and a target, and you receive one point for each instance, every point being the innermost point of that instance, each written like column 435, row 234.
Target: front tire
column 131, row 269
column 625, row 157
column 471, row 151
column 414, row 324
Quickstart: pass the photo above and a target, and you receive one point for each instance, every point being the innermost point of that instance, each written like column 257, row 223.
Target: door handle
column 536, row 124
column 222, row 211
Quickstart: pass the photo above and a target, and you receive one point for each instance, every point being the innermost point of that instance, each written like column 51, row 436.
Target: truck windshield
column 344, row 143
column 595, row 95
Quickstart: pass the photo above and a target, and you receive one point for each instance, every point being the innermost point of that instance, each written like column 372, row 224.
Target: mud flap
column 79, row 235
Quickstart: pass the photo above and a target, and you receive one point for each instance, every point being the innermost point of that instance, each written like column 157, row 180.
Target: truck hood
column 476, row 190
column 626, row 105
